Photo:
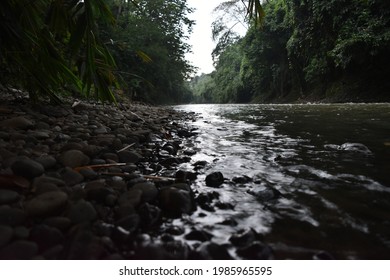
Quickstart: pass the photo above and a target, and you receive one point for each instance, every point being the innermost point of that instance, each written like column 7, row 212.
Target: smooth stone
column 199, row 235
column 47, row 161
column 149, row 191
column 245, row 238
column 21, row 232
column 19, row 250
column 129, row 157
column 46, row 236
column 46, row 203
column 8, row 196
column 214, row 179
column 150, row 215
column 40, row 189
column 212, row 251
column 82, row 211
column 89, row 173
column 176, row 201
column 256, row 251
column 17, row 123
column 129, row 223
column 27, row 168
column 6, row 233
column 62, row 223
column 71, row 177
column 46, row 180
column 242, row 179
column 53, row 253
column 74, row 158
column 11, row 216
column 130, row 198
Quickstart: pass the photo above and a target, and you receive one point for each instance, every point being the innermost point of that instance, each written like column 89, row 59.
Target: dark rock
column 150, row 215
column 214, row 179
column 21, row 232
column 27, row 168
column 82, row 211
column 47, row 181
column 17, row 123
column 322, row 255
column 45, row 236
column 8, row 196
column 47, row 161
column 11, row 216
column 74, row 158
column 200, row 164
column 62, row 223
column 256, row 251
column 129, row 223
column 170, row 148
column 6, row 233
column 149, row 191
column 89, row 173
column 213, row 251
column 242, row 179
column 245, row 238
column 53, row 253
column 47, row 203
column 130, row 198
column 129, row 157
column 71, row 177
column 84, row 246
column 19, row 250
column 229, row 222
column 266, row 195
column 176, row 201
column 183, row 176
column 198, row 235
column 176, row 250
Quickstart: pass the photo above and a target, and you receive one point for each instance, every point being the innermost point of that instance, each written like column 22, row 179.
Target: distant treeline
column 335, row 50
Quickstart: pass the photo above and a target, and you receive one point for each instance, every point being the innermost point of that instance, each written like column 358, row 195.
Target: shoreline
column 80, row 182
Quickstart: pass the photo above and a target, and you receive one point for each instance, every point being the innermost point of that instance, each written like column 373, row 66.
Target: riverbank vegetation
column 307, row 50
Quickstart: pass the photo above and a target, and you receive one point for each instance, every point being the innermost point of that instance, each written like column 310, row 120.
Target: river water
column 319, row 176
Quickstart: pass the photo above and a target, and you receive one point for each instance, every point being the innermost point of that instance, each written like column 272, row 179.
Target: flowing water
column 320, row 176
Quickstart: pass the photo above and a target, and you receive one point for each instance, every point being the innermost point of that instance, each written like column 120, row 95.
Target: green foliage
column 46, row 45
column 148, row 45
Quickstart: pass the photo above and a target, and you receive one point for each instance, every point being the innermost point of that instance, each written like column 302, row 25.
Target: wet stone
column 176, row 201
column 130, row 198
column 82, row 211
column 149, row 215
column 6, row 233
column 47, row 203
column 71, row 177
column 256, row 251
column 129, row 223
column 62, row 223
column 17, row 123
column 213, row 251
column 148, row 189
column 8, row 196
column 199, row 235
column 129, row 157
column 19, row 250
column 11, row 216
column 74, row 158
column 27, row 168
column 214, row 179
column 47, row 161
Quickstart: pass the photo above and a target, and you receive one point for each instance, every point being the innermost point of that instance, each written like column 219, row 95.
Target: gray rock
column 129, row 157
column 8, row 196
column 11, row 216
column 19, row 250
column 82, row 211
column 46, row 204
column 214, row 179
column 131, row 198
column 27, row 168
column 47, row 161
column 71, row 177
column 17, row 123
column 6, row 233
column 176, row 201
column 74, row 158
column 149, row 191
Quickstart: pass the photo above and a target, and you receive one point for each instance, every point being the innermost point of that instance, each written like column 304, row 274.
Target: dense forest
column 306, row 50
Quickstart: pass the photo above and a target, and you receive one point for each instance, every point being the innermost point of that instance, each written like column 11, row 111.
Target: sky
column 202, row 44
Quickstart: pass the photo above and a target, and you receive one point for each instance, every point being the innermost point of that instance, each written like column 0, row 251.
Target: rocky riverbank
column 93, row 181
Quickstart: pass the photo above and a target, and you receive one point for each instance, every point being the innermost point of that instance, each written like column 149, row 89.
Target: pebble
column 176, row 201
column 27, row 168
column 47, row 161
column 6, row 233
column 19, row 250
column 148, row 189
column 74, row 158
column 214, row 179
column 71, row 177
column 131, row 198
column 129, row 157
column 47, row 203
column 82, row 211
column 17, row 123
column 8, row 196
column 11, row 216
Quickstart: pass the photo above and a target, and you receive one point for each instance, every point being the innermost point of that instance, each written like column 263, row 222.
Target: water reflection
column 329, row 163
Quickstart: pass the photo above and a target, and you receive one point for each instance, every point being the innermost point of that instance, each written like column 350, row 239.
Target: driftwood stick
column 98, row 166
column 150, row 177
column 125, row 148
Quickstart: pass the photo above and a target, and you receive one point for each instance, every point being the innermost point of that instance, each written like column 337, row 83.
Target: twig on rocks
column 150, row 177
column 98, row 166
column 125, row 148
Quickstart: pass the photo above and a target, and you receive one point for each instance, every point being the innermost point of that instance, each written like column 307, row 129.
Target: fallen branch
column 125, row 148
column 150, row 177
column 98, row 166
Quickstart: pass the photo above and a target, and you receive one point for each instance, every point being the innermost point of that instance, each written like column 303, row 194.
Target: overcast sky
column 202, row 44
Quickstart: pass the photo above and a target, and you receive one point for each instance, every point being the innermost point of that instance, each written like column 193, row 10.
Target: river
column 309, row 178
